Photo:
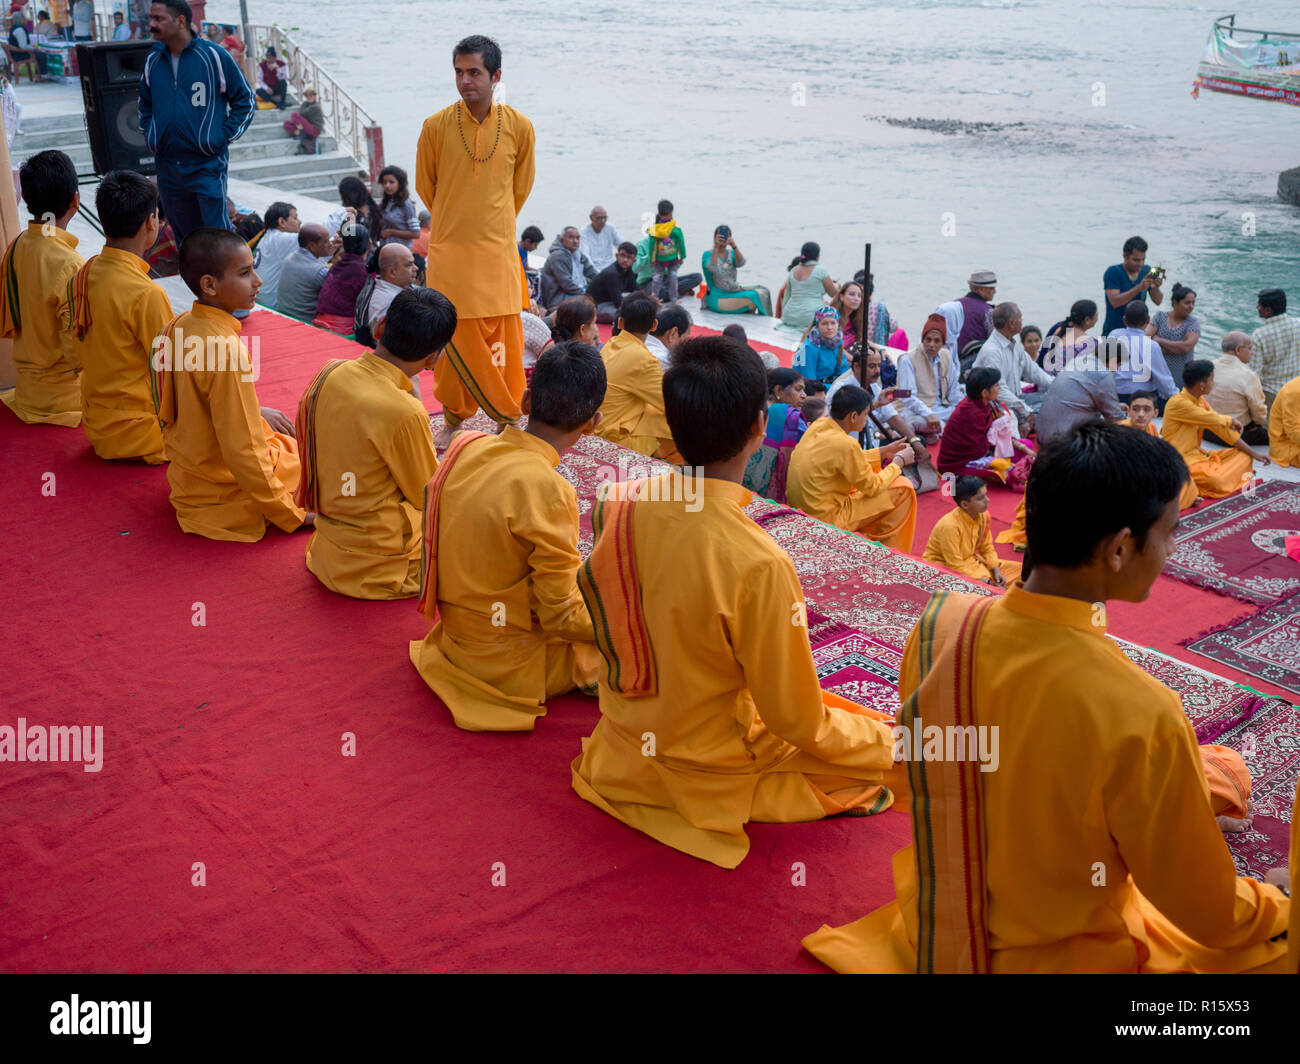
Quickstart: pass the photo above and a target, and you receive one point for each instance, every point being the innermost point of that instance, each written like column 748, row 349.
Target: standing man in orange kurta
column 474, row 170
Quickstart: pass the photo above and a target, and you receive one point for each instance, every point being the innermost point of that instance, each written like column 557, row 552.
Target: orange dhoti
column 482, row 367
column 889, row 516
column 1016, row 533
column 1218, row 474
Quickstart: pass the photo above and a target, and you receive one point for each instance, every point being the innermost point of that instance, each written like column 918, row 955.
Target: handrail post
column 374, row 151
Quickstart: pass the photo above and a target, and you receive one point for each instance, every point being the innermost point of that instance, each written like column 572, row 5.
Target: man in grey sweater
column 1083, row 391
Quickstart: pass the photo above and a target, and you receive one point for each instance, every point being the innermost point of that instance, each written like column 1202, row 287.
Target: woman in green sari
column 725, row 296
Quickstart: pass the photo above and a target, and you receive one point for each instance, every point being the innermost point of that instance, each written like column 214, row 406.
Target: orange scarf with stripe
column 79, row 300
column 307, row 495
column 11, row 314
column 947, row 796
column 609, row 585
column 160, row 381
column 428, row 604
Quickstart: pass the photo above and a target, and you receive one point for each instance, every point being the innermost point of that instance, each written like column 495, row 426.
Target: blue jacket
column 819, row 364
column 193, row 116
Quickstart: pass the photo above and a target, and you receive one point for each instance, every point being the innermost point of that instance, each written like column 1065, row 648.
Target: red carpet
column 222, row 746
column 1236, row 546
column 1265, row 644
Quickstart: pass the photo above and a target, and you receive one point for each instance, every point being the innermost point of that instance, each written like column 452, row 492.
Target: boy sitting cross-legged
column 367, row 453
column 117, row 312
column 501, row 557
column 711, row 711
column 34, row 292
column 233, row 465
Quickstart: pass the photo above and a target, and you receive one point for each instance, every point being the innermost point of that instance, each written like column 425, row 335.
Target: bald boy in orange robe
column 233, row 465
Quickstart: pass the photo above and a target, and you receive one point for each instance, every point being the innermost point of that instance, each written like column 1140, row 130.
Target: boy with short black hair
column 1215, row 474
column 711, row 711
column 34, row 296
column 1094, row 847
column 834, row 480
column 961, row 539
column 367, row 454
column 1142, row 412
column 501, row 557
column 233, row 465
column 633, row 412
column 117, row 312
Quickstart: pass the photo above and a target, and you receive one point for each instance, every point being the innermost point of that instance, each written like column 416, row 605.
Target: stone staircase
column 264, row 154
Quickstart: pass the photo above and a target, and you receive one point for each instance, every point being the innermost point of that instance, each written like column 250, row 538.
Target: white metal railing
column 346, row 120
column 104, row 26
column 350, row 124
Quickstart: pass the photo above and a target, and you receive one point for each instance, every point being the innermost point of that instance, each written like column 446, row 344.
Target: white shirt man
column 599, row 244
column 397, row 270
column 658, row 349
column 278, row 242
column 1237, row 390
column 1002, row 351
column 83, row 20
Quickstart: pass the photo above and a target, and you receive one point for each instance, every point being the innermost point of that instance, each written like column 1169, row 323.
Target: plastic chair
column 16, row 65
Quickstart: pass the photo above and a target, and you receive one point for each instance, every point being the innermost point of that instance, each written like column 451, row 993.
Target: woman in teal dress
column 724, row 295
column 805, row 289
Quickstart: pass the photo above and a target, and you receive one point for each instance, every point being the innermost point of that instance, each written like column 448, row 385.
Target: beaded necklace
column 465, row 143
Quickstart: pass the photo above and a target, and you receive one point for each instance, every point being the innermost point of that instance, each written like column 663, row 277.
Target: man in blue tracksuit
column 193, row 102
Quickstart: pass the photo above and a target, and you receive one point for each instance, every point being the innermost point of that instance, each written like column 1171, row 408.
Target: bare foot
column 442, row 440
column 1279, row 877
column 1231, row 826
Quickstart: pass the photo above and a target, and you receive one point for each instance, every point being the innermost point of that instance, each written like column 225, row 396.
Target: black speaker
column 110, row 88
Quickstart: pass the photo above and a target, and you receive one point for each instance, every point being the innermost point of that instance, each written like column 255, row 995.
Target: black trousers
column 1252, row 434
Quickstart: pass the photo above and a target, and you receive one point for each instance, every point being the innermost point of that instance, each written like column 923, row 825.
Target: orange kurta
column 964, row 543
column 512, row 630
column 738, row 729
column 1284, row 425
column 1215, row 474
column 834, row 480
column 127, row 311
column 46, row 360
column 370, row 454
column 633, row 411
column 1101, row 852
column 473, row 258
column 230, row 474
column 1016, row 533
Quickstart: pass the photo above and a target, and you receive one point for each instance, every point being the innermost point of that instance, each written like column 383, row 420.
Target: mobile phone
column 902, row 393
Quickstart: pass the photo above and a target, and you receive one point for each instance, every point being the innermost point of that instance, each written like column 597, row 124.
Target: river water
column 1078, row 131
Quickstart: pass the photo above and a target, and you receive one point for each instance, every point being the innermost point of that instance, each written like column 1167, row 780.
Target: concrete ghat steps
column 264, row 154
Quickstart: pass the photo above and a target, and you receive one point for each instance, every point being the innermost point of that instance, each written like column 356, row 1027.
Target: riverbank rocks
column 1288, row 185
column 949, row 127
